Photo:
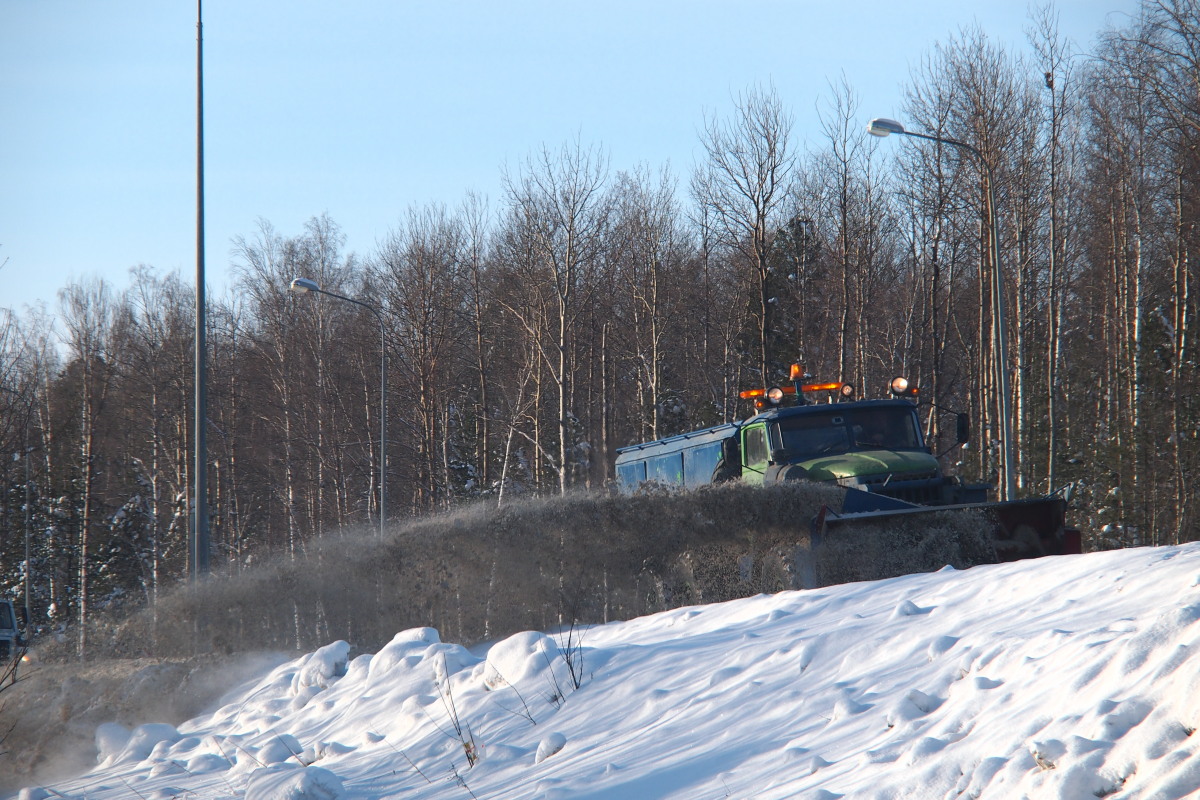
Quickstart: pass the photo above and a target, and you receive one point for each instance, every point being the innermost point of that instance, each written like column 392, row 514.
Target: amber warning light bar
column 775, row 394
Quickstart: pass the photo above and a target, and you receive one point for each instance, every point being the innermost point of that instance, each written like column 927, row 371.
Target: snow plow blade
column 1018, row 529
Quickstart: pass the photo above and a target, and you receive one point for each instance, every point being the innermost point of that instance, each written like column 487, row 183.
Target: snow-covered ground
column 1070, row 677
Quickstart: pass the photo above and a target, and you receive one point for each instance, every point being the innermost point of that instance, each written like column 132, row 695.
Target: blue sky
column 363, row 108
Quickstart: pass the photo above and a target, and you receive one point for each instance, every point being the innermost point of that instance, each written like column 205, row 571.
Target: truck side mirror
column 962, row 428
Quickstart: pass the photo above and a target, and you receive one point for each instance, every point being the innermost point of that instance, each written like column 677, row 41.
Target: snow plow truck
column 873, row 448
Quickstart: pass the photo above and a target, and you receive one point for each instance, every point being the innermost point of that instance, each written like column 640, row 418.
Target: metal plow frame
column 1020, row 529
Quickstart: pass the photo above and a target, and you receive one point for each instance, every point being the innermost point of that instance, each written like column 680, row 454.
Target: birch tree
column 90, row 318
column 559, row 201
column 743, row 183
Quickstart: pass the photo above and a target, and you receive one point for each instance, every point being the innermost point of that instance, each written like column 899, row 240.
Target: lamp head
column 882, row 126
column 303, row 286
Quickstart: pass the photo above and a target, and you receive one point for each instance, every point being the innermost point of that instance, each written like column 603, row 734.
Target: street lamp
column 884, row 127
column 304, row 286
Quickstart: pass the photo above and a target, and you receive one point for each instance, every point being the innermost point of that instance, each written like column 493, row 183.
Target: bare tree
column 477, row 247
column 645, row 255
column 931, row 187
column 972, row 92
column 559, row 204
column 156, row 391
column 1060, row 156
column 743, row 183
column 420, row 270
column 849, row 201
column 91, row 319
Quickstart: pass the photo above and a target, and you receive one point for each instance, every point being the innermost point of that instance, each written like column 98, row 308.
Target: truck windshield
column 821, row 433
column 6, row 618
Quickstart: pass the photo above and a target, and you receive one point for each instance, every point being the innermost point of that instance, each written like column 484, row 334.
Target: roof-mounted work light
column 902, row 388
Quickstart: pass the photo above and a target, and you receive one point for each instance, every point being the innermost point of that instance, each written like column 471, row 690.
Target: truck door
column 755, row 454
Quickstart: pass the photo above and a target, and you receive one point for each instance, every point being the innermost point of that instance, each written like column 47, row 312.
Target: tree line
column 588, row 308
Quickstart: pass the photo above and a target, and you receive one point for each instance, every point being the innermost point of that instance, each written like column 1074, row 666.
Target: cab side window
column 755, row 447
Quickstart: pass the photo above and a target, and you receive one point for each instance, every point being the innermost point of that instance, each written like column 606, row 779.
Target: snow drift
column 1069, row 677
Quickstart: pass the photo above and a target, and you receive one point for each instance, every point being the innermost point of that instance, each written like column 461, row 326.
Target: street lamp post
column 303, row 286
column 884, row 127
column 199, row 539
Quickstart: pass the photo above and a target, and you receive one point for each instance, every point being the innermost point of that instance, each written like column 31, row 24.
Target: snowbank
column 1069, row 677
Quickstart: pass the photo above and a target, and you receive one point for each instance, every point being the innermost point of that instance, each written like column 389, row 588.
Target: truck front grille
column 925, row 490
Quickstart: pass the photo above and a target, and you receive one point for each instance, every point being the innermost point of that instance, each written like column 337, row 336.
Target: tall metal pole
column 199, row 543
column 884, row 127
